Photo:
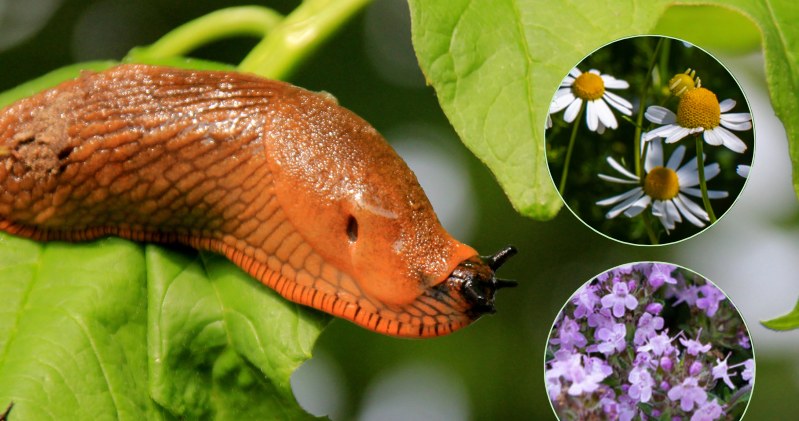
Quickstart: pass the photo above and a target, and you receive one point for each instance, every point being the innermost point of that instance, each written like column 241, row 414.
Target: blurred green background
column 494, row 369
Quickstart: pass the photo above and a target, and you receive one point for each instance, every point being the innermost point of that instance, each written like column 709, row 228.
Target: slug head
column 474, row 283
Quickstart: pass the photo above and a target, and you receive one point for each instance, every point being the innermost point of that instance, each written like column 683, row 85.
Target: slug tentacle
column 299, row 192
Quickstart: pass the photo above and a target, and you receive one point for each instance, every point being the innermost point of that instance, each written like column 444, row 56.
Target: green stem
column 702, row 182
column 565, row 173
column 298, row 35
column 639, row 119
column 639, row 125
column 255, row 21
column 648, row 221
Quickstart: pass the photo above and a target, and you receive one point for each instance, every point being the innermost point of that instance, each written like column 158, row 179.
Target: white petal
column 617, row 180
column 676, row 158
column 567, row 81
column 688, row 177
column 613, row 83
column 638, row 206
column 712, row 137
column 693, row 207
column 621, row 207
column 659, row 212
column 737, row 117
column 731, row 141
column 600, row 128
column 619, row 103
column 572, row 110
column 605, row 115
column 717, row 194
column 654, row 155
column 672, row 211
column 563, row 97
column 620, row 197
column 677, row 134
column 657, row 208
column 575, row 72
column 712, row 170
column 726, row 105
column 618, row 167
column 687, row 213
column 590, row 115
column 738, row 127
column 660, row 115
column 594, row 71
column 711, row 194
column 743, row 170
column 662, row 131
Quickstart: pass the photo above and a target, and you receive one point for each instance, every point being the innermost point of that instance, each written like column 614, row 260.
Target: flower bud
column 695, row 369
column 654, row 308
column 666, row 364
column 683, row 82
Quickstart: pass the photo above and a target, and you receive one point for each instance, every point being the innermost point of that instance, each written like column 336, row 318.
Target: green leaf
column 117, row 329
column 700, row 25
column 73, row 330
column 496, row 64
column 789, row 321
column 221, row 342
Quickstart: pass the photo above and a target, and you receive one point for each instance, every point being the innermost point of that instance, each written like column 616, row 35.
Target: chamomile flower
column 665, row 187
column 592, row 88
column 699, row 111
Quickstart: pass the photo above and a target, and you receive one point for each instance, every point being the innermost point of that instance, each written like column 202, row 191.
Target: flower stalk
column 565, row 174
column 700, row 156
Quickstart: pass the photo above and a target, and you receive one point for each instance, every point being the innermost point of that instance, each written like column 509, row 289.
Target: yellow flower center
column 680, row 84
column 661, row 183
column 588, row 86
column 698, row 108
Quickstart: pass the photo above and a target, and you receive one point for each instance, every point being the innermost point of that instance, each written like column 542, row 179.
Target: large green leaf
column 496, row 64
column 117, row 330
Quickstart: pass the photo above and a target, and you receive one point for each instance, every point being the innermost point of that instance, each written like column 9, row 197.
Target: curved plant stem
column 565, row 173
column 256, row 21
column 648, row 221
column 638, row 151
column 700, row 157
column 639, row 119
column 297, row 36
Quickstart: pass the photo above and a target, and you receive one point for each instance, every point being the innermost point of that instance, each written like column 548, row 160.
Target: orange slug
column 299, row 192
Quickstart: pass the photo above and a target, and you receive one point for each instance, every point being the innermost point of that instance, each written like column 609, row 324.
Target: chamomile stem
column 639, row 118
column 254, row 21
column 565, row 173
column 700, row 156
column 648, row 220
column 298, row 35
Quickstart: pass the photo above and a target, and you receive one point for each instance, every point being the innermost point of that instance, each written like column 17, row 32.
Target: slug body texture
column 299, row 192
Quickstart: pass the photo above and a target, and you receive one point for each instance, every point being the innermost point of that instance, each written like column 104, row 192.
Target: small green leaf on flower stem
column 496, row 86
column 789, row 321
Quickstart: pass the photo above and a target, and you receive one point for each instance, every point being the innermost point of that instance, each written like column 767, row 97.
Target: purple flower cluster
column 649, row 341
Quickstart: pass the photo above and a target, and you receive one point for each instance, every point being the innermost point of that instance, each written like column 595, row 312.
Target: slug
column 298, row 191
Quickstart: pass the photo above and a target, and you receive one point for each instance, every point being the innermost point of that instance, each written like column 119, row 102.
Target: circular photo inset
column 624, row 132
column 649, row 341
